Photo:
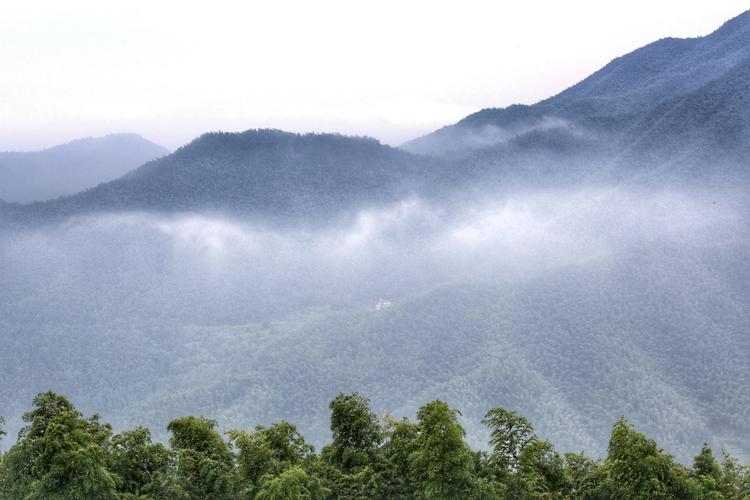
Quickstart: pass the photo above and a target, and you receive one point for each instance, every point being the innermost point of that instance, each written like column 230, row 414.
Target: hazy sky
column 170, row 70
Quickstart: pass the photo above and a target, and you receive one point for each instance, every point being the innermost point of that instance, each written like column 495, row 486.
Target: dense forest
column 60, row 454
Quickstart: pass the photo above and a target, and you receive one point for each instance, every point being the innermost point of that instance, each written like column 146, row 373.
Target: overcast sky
column 389, row 69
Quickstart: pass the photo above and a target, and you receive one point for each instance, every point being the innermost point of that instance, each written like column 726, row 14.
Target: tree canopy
column 60, row 454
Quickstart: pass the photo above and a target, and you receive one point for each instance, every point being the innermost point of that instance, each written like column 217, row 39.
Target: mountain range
column 676, row 110
column 575, row 260
column 666, row 107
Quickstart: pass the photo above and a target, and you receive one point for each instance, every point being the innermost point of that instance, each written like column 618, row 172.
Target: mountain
column 660, row 71
column 707, row 129
column 627, row 111
column 72, row 167
column 657, row 333
column 670, row 112
column 575, row 260
column 557, row 348
column 266, row 173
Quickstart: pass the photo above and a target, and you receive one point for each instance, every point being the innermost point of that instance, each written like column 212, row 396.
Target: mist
column 245, row 271
column 158, row 297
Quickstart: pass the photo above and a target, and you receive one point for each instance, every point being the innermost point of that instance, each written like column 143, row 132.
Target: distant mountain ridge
column 72, row 167
column 675, row 110
column 262, row 172
column 633, row 103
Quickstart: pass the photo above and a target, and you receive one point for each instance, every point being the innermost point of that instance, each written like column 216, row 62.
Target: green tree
column 707, row 472
column 269, row 450
column 59, row 454
column 705, row 465
column 400, row 442
column 143, row 469
column 355, row 429
column 205, row 465
column 641, row 471
column 2, row 431
column 542, row 471
column 510, row 433
column 361, row 483
column 291, row 484
column 588, row 478
column 441, row 466
column 735, row 478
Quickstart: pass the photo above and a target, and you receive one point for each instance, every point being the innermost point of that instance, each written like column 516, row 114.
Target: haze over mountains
column 72, row 167
column 676, row 109
column 575, row 260
column 258, row 172
column 667, row 106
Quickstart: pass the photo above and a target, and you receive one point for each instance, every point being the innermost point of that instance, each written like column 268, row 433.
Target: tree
column 510, row 433
column 59, row 454
column 588, row 478
column 735, row 478
column 205, row 466
column 707, row 472
column 705, row 465
column 143, row 468
column 542, row 471
column 2, row 431
column 401, row 441
column 293, row 483
column 355, row 429
column 269, row 450
column 441, row 466
column 641, row 471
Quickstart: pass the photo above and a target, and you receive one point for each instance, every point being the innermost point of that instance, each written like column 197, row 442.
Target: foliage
column 62, row 455
column 205, row 464
column 355, row 430
column 267, row 452
column 441, row 464
column 642, row 471
column 143, row 468
column 59, row 454
column 510, row 435
column 292, row 483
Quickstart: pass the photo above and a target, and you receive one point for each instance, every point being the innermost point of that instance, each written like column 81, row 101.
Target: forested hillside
column 60, row 453
column 543, row 305
column 266, row 174
column 673, row 111
column 576, row 260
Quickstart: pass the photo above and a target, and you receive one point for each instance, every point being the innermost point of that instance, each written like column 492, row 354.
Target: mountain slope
column 657, row 72
column 611, row 102
column 72, row 167
column 267, row 173
column 707, row 129
column 657, row 335
column 645, row 117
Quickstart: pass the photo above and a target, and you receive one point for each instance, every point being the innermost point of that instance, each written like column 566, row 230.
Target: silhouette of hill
column 637, row 112
column 72, row 167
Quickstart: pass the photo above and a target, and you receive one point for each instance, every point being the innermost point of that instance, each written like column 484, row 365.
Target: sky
column 393, row 70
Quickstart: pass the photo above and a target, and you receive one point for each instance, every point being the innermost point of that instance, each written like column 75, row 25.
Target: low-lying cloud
column 240, row 271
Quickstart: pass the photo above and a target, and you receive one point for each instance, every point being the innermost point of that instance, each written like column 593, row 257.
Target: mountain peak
column 271, row 139
column 71, row 167
column 613, row 99
column 266, row 172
